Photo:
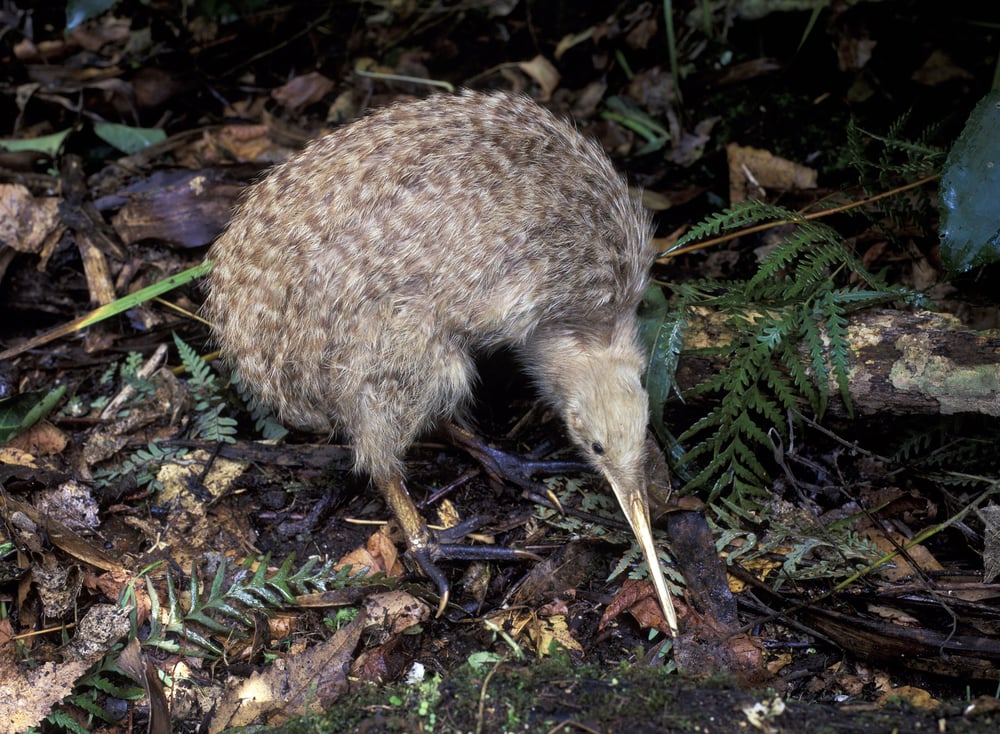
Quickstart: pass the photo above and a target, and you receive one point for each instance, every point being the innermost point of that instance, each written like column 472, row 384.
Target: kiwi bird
column 357, row 281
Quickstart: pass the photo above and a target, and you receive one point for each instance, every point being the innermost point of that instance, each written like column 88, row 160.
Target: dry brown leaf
column 752, row 171
column 853, row 54
column 243, row 143
column 588, row 99
column 747, row 70
column 17, row 457
column 654, row 90
column 689, row 146
column 779, row 662
column 303, row 90
column 26, row 221
column 900, row 568
column 643, row 32
column 382, row 663
column 512, row 621
column 537, row 632
column 113, row 582
column 184, row 208
column 378, row 554
column 294, row 686
column 545, row 632
column 659, row 201
column 42, row 439
column 938, row 69
column 396, row 611
column 912, row 695
column 638, row 598
column 136, row 665
column 544, row 73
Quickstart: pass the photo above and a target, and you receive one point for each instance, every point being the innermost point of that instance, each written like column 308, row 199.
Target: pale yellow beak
column 636, row 508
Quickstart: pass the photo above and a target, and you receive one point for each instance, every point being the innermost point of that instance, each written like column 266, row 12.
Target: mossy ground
column 559, row 694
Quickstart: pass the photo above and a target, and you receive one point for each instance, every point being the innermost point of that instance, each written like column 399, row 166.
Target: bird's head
column 594, row 380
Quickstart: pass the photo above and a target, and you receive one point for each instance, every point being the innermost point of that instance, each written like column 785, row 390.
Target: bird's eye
column 597, row 448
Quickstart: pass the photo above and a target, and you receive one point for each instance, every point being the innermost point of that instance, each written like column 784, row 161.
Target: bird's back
column 424, row 231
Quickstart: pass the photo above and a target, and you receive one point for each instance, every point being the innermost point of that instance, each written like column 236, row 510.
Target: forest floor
column 162, row 566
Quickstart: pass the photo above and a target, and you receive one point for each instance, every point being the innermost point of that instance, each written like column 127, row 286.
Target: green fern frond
column 885, row 161
column 264, row 420
column 201, row 379
column 62, row 719
column 838, row 347
column 790, row 345
column 738, row 217
column 212, row 616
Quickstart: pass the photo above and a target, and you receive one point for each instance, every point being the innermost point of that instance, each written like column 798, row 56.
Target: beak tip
column 635, row 506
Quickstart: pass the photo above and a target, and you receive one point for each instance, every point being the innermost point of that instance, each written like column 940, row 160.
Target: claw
column 423, row 558
column 504, row 466
column 426, row 548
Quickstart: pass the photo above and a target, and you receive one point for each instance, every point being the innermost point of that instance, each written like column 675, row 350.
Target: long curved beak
column 636, row 508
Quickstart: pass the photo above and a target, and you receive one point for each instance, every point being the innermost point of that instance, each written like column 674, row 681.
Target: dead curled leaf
column 26, row 221
column 137, row 666
column 542, row 632
column 303, row 90
column 294, row 686
column 547, row 632
column 378, row 554
column 396, row 611
column 751, row 169
column 541, row 70
column 638, row 599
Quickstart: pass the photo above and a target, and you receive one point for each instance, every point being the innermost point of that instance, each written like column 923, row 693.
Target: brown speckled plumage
column 356, row 282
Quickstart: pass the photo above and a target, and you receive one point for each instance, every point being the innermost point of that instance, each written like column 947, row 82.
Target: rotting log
column 899, row 362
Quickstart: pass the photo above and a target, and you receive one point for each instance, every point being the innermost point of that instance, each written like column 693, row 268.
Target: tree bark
column 899, row 363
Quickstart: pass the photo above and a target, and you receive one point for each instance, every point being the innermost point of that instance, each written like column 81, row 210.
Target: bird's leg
column 505, row 466
column 426, row 550
column 419, row 541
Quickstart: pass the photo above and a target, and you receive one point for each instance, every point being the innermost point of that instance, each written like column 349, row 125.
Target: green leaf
column 79, row 11
column 47, row 144
column 663, row 335
column 128, row 139
column 970, row 190
column 21, row 412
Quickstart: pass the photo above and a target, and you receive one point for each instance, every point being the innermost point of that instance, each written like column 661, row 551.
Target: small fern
column 737, row 217
column 211, row 617
column 210, row 424
column 209, row 421
column 882, row 162
column 98, row 683
column 808, row 550
column 129, row 373
column 264, row 420
column 954, row 441
column 790, row 326
column 61, row 718
column 142, row 465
